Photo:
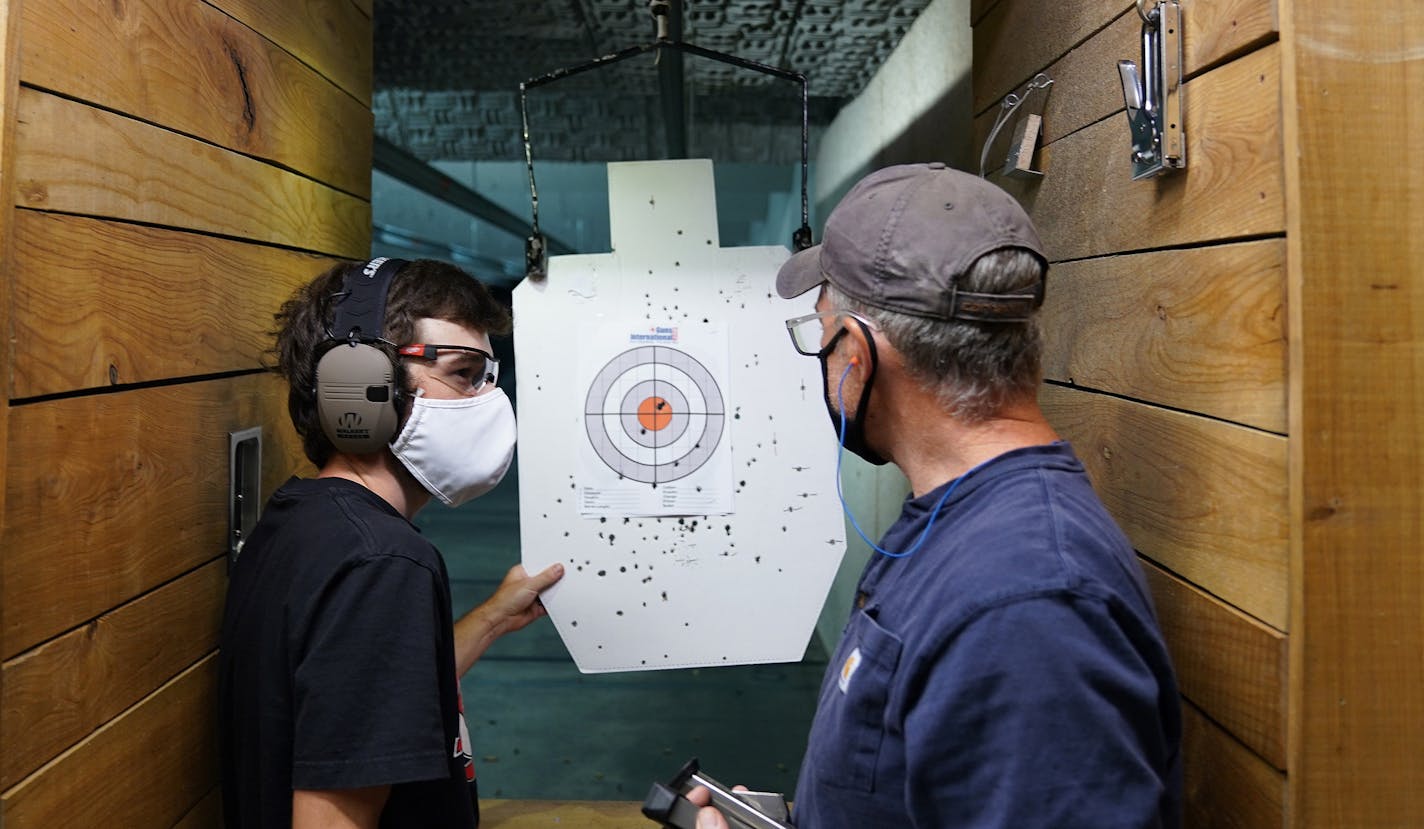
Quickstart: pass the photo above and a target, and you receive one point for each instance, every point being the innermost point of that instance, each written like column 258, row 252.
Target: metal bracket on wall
column 244, row 487
column 1019, row 160
column 1154, row 99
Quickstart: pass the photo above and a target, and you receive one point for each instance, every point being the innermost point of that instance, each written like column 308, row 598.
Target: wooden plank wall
column 1166, row 332
column 172, row 169
column 1356, row 297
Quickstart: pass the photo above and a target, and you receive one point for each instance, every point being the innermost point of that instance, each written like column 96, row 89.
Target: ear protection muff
column 356, row 381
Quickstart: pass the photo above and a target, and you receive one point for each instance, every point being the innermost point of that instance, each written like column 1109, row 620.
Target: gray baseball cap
column 902, row 237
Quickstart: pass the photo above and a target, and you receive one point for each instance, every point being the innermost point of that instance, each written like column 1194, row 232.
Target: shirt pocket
column 849, row 728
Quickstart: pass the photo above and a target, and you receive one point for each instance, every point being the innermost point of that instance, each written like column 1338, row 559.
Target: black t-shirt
column 338, row 664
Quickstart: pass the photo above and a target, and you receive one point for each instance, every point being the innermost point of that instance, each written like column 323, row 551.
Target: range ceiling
column 447, row 75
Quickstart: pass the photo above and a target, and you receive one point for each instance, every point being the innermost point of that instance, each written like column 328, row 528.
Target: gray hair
column 974, row 368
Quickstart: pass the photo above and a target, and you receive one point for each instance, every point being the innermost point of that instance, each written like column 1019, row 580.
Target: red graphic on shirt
column 462, row 745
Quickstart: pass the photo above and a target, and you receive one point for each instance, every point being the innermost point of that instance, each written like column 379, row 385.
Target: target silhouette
column 654, row 414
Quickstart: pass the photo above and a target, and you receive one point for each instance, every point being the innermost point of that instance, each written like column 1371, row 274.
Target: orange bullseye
column 654, row 413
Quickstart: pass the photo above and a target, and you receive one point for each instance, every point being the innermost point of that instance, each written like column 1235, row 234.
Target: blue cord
column 840, row 456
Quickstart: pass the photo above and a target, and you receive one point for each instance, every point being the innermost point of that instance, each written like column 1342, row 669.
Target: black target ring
column 654, row 414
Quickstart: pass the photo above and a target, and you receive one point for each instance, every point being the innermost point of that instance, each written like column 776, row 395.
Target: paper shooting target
column 654, row 414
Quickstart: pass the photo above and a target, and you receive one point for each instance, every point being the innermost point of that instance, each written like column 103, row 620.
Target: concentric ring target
column 654, row 414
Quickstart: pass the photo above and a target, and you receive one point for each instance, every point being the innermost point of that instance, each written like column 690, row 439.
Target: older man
column 1002, row 665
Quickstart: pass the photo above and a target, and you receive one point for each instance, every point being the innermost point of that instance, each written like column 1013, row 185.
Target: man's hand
column 512, row 607
column 708, row 817
column 516, row 602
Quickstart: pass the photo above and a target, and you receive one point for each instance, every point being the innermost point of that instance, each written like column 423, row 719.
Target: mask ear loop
column 840, row 456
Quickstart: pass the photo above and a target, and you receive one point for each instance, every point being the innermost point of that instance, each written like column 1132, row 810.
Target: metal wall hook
column 1019, row 161
column 1154, row 99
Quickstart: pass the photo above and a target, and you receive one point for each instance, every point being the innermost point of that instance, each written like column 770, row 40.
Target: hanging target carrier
column 536, row 248
column 1153, row 93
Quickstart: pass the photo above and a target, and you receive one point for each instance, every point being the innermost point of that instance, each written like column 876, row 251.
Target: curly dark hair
column 423, row 288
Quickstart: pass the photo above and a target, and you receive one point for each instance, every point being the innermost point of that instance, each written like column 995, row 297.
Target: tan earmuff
column 355, row 380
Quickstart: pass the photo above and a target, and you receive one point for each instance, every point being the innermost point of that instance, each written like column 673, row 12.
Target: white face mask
column 458, row 449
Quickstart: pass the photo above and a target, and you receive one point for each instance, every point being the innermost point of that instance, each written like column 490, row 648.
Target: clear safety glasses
column 812, row 334
column 482, row 372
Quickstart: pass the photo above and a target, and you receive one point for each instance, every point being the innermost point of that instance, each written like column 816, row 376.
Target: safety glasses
column 485, row 373
column 809, row 330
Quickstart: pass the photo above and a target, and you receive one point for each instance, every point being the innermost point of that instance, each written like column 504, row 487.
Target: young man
column 340, row 661
column 1002, row 666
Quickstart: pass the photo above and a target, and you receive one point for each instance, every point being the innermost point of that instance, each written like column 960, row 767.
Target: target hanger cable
column 536, row 248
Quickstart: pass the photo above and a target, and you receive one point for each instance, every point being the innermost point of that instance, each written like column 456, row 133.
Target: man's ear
column 858, row 349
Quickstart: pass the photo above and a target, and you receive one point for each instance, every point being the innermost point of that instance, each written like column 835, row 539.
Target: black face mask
column 854, row 427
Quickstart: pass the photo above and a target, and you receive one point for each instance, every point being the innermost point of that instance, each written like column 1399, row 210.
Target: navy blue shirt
column 1008, row 673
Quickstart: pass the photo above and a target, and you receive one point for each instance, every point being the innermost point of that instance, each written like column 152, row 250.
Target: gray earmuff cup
column 355, row 393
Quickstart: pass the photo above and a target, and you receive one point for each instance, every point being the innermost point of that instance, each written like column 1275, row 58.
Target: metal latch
column 1154, row 100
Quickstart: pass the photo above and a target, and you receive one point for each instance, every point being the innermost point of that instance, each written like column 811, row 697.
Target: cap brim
column 800, row 273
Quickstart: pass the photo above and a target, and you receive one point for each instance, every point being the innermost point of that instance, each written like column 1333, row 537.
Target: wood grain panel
column 1201, row 329
column 1016, row 38
column 1352, row 83
column 1087, row 203
column 58, row 693
column 1086, row 87
column 1228, row 664
column 539, row 814
column 1227, row 787
column 149, row 767
column 207, row 814
column 99, row 303
column 111, row 495
column 9, row 87
column 327, row 35
column 1204, row 498
column 979, row 8
column 191, row 68
column 73, row 158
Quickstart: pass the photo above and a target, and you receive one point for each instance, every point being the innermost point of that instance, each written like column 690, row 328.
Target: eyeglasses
column 484, row 372
column 808, row 331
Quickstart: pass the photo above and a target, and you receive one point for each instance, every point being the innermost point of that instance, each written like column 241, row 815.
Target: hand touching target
column 654, row 414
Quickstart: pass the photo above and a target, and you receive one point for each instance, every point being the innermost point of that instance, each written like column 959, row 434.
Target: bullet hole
column 622, row 569
column 620, row 613
column 602, row 573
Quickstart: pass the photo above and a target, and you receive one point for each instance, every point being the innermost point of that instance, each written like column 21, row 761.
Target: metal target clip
column 1154, row 99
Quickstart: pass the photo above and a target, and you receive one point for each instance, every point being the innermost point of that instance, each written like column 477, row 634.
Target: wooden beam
column 1085, row 81
column 539, row 814
column 1202, row 329
column 9, row 93
column 1228, row 787
column 1229, row 665
column 1088, row 205
column 206, row 814
column 191, row 68
column 73, row 158
column 58, row 693
column 149, row 767
column 1205, row 499
column 1354, row 137
column 1017, row 38
column 136, row 324
column 111, row 495
column 327, row 35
